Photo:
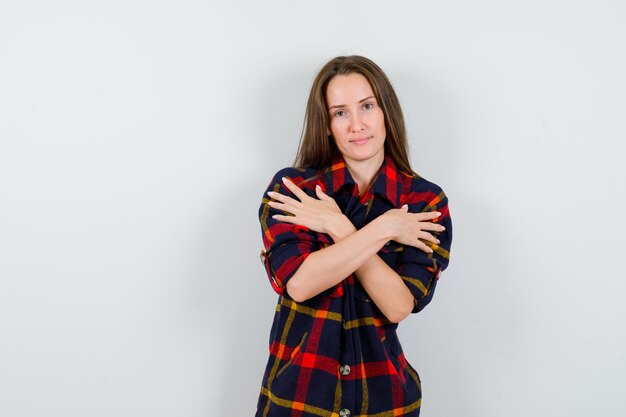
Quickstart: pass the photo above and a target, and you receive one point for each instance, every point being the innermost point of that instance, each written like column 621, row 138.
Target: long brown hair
column 316, row 149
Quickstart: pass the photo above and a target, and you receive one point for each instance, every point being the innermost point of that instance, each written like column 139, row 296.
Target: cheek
column 375, row 118
column 380, row 115
column 380, row 121
column 337, row 126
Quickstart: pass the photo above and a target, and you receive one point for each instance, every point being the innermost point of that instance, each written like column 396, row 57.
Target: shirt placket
column 356, row 211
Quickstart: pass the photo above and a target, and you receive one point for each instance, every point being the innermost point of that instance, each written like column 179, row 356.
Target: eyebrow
column 343, row 105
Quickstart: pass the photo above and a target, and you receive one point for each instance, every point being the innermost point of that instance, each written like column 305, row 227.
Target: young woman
column 354, row 242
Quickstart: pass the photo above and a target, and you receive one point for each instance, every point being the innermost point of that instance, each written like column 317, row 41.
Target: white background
column 137, row 138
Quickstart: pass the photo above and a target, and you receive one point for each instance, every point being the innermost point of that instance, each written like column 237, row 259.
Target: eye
column 371, row 106
column 338, row 113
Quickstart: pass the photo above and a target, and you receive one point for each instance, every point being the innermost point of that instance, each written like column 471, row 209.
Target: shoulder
column 419, row 183
column 422, row 191
column 305, row 178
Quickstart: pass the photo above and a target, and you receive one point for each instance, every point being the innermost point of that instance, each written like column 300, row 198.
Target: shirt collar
column 387, row 182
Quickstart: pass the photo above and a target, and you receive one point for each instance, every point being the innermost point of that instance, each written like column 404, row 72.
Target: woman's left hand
column 317, row 215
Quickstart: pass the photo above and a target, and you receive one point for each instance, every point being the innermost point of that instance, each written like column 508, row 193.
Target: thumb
column 319, row 192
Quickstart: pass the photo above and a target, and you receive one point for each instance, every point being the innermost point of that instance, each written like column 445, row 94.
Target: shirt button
column 344, row 369
column 344, row 412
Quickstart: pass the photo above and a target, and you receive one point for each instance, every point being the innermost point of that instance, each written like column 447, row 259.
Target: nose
column 356, row 122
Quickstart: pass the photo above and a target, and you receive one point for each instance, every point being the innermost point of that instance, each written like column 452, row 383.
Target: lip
column 359, row 141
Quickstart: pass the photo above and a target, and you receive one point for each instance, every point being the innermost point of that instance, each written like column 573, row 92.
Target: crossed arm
column 354, row 250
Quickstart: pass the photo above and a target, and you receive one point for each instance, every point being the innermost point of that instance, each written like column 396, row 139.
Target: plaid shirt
column 336, row 354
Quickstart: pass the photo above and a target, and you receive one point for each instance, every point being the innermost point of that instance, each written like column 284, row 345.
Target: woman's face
column 356, row 121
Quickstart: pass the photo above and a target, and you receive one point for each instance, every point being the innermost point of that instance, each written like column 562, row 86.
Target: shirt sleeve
column 420, row 270
column 286, row 245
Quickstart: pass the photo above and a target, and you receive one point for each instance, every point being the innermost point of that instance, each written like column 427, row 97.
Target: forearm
column 326, row 267
column 384, row 286
column 386, row 289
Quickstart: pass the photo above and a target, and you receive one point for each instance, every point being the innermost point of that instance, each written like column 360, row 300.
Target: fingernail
column 270, row 193
column 438, row 214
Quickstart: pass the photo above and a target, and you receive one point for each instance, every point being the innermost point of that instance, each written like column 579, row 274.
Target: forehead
column 347, row 89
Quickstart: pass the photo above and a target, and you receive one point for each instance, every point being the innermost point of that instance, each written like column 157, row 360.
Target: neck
column 363, row 172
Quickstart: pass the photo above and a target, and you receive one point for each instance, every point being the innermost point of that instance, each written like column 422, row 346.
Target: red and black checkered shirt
column 336, row 354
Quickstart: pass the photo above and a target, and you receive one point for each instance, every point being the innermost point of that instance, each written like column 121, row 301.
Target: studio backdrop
column 137, row 139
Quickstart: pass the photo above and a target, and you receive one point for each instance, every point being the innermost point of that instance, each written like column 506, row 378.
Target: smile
column 360, row 141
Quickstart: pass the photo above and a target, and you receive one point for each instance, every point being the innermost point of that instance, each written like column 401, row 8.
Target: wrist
column 385, row 229
column 340, row 228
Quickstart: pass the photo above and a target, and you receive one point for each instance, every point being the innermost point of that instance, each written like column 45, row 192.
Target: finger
column 320, row 193
column 283, row 198
column 422, row 246
column 427, row 236
column 435, row 227
column 283, row 207
column 295, row 189
column 427, row 215
column 405, row 207
column 288, row 219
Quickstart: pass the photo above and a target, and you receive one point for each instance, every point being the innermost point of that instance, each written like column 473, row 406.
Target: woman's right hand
column 407, row 228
